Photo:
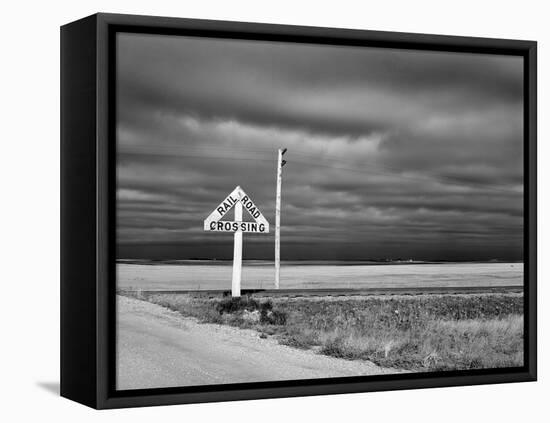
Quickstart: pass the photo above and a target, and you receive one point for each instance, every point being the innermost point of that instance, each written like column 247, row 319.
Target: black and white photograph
column 295, row 211
column 290, row 211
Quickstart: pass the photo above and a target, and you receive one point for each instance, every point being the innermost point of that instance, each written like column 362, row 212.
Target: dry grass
column 440, row 345
column 421, row 333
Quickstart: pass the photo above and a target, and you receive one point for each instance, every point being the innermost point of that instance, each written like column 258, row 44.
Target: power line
column 197, row 156
column 393, row 172
column 417, row 178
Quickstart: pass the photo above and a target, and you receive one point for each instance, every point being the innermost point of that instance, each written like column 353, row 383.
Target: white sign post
column 239, row 200
column 237, row 253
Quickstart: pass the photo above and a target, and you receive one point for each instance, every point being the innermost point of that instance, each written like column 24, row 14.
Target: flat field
column 411, row 333
column 201, row 275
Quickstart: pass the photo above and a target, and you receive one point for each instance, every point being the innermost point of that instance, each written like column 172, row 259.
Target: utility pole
column 237, row 253
column 280, row 164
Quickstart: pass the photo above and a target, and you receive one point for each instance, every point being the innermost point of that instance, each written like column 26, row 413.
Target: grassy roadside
column 419, row 333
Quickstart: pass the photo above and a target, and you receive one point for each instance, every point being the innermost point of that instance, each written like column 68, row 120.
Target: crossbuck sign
column 238, row 199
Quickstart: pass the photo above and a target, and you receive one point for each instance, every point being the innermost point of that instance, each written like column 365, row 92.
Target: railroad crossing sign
column 214, row 223
column 237, row 199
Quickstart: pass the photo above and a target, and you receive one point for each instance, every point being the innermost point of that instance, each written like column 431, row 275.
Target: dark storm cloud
column 265, row 83
column 391, row 152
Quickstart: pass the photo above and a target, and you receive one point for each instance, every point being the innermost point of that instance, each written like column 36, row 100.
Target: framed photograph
column 256, row 211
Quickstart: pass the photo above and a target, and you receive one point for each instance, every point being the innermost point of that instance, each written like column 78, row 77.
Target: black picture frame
column 88, row 210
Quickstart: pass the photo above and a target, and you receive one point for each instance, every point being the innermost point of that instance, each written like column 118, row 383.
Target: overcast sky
column 391, row 153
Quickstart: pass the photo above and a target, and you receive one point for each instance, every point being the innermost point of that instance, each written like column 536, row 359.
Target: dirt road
column 159, row 348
